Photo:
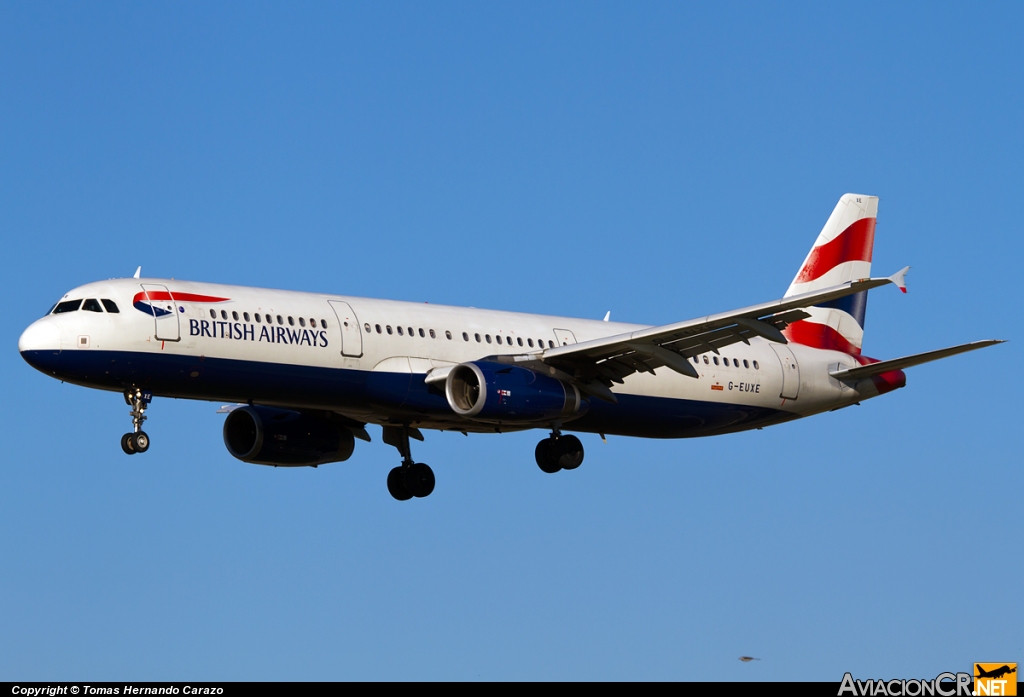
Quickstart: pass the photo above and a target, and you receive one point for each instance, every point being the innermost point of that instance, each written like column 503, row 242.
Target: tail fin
column 841, row 253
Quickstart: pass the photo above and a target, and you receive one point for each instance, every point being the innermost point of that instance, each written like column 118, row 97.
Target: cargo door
column 157, row 300
column 790, row 371
column 351, row 334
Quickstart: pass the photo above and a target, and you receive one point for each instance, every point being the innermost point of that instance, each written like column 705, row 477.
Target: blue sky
column 662, row 161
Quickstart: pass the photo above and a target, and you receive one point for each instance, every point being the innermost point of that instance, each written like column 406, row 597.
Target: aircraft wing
column 595, row 365
column 866, row 371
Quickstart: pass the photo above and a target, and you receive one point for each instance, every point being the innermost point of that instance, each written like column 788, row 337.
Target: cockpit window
column 109, row 304
column 67, row 306
column 92, row 305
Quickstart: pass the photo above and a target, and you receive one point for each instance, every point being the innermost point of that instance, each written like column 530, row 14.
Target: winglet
column 607, row 316
column 138, row 272
column 900, row 278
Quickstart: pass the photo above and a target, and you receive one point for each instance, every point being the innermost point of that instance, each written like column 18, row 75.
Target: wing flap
column 866, row 371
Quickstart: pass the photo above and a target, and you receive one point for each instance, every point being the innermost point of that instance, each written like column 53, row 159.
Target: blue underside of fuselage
column 398, row 396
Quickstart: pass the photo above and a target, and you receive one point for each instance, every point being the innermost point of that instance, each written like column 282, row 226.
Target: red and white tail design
column 841, row 253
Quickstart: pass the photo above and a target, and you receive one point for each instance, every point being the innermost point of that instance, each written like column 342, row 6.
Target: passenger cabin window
column 302, row 321
column 756, row 366
column 715, row 359
column 411, row 332
column 432, row 335
column 551, row 344
column 735, row 363
column 745, row 363
column 421, row 333
column 291, row 320
column 706, row 361
column 377, row 327
column 488, row 337
column 520, row 340
column 447, row 335
column 234, row 315
column 280, row 320
column 529, row 342
column 92, row 305
column 465, row 336
column 246, row 316
column 477, row 337
column 366, row 326
column 400, row 331
column 257, row 317
column 389, row 329
column 67, row 306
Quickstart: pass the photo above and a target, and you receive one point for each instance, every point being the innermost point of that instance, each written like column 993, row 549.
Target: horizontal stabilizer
column 866, row 371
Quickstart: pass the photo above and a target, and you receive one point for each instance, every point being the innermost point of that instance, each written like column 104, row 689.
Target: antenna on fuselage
column 138, row 272
column 607, row 316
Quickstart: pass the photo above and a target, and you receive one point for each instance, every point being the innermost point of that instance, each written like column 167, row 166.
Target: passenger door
column 790, row 371
column 351, row 334
column 161, row 305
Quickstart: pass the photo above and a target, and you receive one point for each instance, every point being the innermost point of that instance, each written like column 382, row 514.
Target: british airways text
column 241, row 331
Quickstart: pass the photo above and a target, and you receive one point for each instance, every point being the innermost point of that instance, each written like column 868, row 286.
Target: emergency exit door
column 351, row 334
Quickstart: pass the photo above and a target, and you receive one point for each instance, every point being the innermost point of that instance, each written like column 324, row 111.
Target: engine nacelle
column 503, row 393
column 285, row 438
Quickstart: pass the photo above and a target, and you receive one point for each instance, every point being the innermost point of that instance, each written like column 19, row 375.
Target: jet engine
column 285, row 438
column 501, row 393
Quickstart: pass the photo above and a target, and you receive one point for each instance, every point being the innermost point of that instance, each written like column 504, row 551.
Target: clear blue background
column 661, row 161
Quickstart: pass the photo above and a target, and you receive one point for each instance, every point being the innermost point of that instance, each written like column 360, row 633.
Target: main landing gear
column 137, row 441
column 559, row 452
column 410, row 479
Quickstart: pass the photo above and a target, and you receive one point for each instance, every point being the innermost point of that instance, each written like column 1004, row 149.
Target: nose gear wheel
column 138, row 440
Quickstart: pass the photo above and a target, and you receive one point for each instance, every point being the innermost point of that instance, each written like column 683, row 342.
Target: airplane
column 995, row 673
column 305, row 373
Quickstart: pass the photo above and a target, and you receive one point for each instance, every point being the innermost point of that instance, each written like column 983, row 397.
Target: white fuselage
column 217, row 344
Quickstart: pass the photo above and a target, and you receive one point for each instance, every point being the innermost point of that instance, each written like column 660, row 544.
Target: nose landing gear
column 410, row 479
column 137, row 441
column 559, row 452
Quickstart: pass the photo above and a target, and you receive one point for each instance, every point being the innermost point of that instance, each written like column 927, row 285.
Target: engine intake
column 503, row 393
column 285, row 438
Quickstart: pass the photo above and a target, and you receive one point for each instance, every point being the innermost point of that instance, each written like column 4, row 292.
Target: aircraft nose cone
column 41, row 335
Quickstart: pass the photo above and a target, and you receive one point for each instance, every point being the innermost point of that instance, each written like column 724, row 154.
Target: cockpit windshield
column 67, row 306
column 89, row 305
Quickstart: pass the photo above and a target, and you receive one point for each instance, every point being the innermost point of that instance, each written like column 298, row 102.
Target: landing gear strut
column 410, row 479
column 137, row 441
column 559, row 452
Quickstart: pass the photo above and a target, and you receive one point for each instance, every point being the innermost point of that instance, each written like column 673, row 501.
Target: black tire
column 545, row 454
column 126, row 444
column 396, row 485
column 419, row 480
column 570, row 452
column 140, row 441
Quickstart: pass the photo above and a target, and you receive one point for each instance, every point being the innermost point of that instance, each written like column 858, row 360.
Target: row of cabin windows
column 725, row 362
column 92, row 305
column 403, row 331
column 268, row 318
column 89, row 305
